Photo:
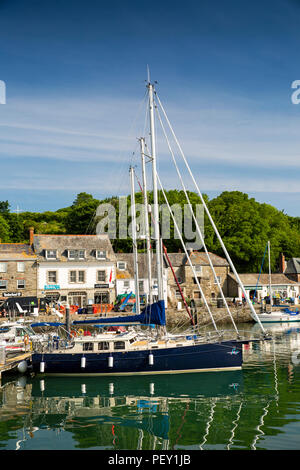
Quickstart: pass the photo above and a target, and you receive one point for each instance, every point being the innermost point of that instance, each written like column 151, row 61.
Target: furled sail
column 154, row 314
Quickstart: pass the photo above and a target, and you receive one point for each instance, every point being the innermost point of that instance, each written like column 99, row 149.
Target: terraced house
column 75, row 269
column 18, row 270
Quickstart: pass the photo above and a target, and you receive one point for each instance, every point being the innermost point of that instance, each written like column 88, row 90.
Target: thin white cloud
column 103, row 132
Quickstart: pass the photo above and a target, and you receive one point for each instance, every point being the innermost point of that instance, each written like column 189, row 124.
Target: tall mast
column 134, row 242
column 146, row 218
column 155, row 196
column 270, row 282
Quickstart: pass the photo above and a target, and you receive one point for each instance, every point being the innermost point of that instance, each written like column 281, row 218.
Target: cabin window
column 20, row 332
column 88, row 346
column 119, row 345
column 103, row 346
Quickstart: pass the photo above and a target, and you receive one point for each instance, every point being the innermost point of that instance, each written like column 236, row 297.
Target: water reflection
column 255, row 408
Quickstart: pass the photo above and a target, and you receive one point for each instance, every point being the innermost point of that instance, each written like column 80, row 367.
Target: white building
column 75, row 269
column 281, row 285
column 125, row 276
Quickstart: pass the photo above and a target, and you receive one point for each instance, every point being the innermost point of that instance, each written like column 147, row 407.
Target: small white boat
column 18, row 336
column 280, row 315
column 284, row 315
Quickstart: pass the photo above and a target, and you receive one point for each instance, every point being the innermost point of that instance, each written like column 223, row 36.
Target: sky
column 75, row 76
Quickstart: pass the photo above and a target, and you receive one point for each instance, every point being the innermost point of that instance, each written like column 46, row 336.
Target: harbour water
column 252, row 409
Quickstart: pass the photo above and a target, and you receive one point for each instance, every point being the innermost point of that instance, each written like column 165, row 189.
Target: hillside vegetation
column 245, row 225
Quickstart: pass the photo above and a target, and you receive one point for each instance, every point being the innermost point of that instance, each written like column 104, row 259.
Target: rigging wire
column 187, row 255
column 211, row 220
column 196, row 222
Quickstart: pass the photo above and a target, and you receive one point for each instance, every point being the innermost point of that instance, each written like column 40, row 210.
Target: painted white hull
column 277, row 317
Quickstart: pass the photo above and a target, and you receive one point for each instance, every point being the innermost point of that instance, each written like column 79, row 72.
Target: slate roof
column 63, row 243
column 292, row 266
column 16, row 252
column 197, row 257
column 128, row 273
column 251, row 279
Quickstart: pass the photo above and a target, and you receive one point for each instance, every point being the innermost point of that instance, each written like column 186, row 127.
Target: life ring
column 80, row 332
column 73, row 333
column 26, row 340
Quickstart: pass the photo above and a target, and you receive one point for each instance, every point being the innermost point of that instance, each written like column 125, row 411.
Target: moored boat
column 134, row 352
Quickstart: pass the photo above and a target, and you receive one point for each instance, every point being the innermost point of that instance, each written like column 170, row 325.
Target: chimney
column 31, row 232
column 281, row 263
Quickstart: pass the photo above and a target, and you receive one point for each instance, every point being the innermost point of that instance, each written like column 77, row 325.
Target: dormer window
column 100, row 254
column 76, row 254
column 51, row 254
column 121, row 265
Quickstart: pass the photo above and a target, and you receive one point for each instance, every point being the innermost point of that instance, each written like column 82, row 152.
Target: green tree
column 4, row 230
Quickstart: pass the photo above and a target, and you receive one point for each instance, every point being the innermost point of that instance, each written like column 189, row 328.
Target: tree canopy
column 244, row 224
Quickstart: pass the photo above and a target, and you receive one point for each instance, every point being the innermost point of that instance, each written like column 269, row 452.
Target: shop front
column 78, row 298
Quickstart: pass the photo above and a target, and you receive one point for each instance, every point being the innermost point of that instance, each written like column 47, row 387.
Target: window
column 197, row 294
column 195, row 280
column 88, row 346
column 119, row 345
column 77, row 276
column 141, row 286
column 198, row 268
column 21, row 267
column 51, row 254
column 52, row 276
column 3, row 267
column 219, row 280
column 121, row 265
column 101, row 298
column 100, row 254
column 101, row 276
column 177, row 294
column 126, row 283
column 21, row 283
column 76, row 254
column 3, row 284
column 103, row 346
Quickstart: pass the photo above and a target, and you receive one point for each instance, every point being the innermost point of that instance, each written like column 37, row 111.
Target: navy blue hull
column 223, row 355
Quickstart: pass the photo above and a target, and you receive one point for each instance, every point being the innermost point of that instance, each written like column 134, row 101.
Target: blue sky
column 75, row 93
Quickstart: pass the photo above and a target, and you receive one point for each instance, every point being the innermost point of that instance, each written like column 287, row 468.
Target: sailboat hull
column 225, row 355
column 278, row 317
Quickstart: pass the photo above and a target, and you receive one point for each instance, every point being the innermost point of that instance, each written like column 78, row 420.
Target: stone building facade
column 125, row 276
column 76, row 269
column 18, row 271
column 205, row 275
